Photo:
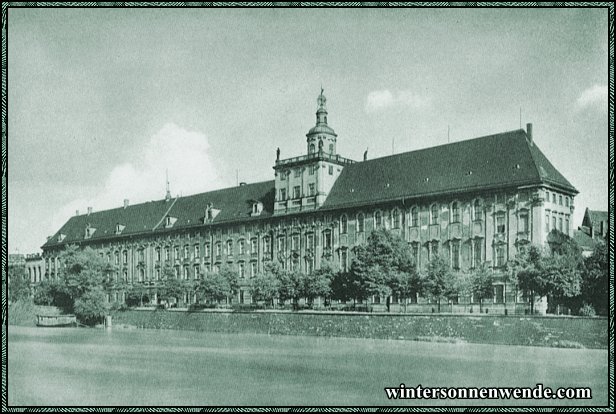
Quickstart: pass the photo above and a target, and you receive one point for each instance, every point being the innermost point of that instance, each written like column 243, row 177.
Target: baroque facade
column 474, row 201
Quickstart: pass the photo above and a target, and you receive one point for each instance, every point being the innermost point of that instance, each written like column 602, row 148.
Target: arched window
column 312, row 148
column 360, row 222
column 343, row 224
column 395, row 218
column 378, row 219
column 455, row 212
column 414, row 217
column 434, row 214
column 477, row 210
column 331, row 149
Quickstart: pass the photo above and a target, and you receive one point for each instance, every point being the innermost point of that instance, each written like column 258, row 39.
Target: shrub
column 90, row 307
column 587, row 310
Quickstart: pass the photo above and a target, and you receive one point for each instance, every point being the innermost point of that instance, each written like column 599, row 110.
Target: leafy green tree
column 291, row 285
column 19, row 284
column 232, row 277
column 171, row 287
column 406, row 285
column 90, row 307
column 343, row 287
column 596, row 279
column 81, row 270
column 377, row 264
column 439, row 281
column 318, row 283
column 481, row 283
column 264, row 287
column 52, row 292
column 215, row 286
column 527, row 269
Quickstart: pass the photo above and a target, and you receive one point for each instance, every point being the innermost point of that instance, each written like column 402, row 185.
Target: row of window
column 554, row 197
column 396, row 218
column 297, row 193
column 557, row 222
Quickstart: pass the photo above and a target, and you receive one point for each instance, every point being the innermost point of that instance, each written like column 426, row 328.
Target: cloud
column 380, row 100
column 595, row 95
column 184, row 153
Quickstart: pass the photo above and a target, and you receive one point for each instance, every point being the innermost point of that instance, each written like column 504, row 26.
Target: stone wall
column 575, row 332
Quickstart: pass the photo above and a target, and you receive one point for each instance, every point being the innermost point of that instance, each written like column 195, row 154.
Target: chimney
column 529, row 132
column 125, row 202
column 89, row 210
column 76, row 212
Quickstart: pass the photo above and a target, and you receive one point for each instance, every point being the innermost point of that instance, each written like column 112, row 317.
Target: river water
column 71, row 366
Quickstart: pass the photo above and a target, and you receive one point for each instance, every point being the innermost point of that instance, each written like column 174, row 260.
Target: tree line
column 383, row 266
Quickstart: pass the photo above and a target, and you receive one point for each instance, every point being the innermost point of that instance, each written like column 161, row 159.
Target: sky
column 103, row 102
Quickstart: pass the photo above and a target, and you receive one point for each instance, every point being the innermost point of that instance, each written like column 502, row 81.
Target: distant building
column 474, row 201
column 35, row 266
column 594, row 227
column 595, row 223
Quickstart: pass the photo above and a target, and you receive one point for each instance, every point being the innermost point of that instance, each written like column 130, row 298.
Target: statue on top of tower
column 321, row 100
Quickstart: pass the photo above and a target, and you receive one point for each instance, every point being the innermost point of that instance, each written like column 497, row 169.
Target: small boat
column 56, row 321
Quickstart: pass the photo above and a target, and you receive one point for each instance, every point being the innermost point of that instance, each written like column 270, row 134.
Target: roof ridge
column 491, row 136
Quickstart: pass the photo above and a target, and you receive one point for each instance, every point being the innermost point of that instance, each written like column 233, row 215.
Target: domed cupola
column 321, row 138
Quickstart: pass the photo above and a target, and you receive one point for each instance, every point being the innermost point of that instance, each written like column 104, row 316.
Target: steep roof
column 493, row 161
column 233, row 203
column 597, row 217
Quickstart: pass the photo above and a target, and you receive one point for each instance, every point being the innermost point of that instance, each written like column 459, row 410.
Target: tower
column 302, row 183
column 321, row 137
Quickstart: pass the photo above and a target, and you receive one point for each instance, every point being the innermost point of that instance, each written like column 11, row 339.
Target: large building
column 479, row 200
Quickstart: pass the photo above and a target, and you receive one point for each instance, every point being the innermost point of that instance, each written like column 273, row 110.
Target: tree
column 81, row 270
column 527, row 269
column 171, row 287
column 215, row 286
column 377, row 264
column 318, row 283
column 90, row 307
column 439, row 281
column 481, row 283
column 596, row 279
column 232, row 278
column 291, row 285
column 342, row 287
column 19, row 285
column 264, row 287
column 406, row 285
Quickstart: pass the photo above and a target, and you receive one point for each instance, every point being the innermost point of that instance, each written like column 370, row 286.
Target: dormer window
column 61, row 237
column 257, row 208
column 210, row 213
column 119, row 228
column 89, row 231
column 169, row 221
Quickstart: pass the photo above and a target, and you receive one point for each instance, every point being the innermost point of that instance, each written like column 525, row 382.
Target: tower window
column 331, row 149
column 331, row 170
column 311, row 148
column 283, row 194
